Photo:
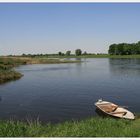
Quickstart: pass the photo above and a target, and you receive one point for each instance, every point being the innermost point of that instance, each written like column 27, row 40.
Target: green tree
column 78, row 52
column 112, row 49
column 23, row 54
column 68, row 53
column 85, row 53
column 59, row 53
column 124, row 48
column 138, row 47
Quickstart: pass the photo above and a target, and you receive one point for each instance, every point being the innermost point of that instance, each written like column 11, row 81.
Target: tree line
column 124, row 48
column 78, row 52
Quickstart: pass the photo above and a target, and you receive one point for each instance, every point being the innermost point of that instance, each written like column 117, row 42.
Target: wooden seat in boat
column 108, row 107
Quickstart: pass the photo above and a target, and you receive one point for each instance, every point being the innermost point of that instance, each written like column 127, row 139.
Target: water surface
column 59, row 92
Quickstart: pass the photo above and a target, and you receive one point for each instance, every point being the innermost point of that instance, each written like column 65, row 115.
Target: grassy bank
column 9, row 75
column 93, row 127
column 6, row 71
column 8, row 63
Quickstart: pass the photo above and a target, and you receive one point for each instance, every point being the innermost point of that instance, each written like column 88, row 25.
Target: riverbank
column 7, row 73
column 92, row 127
column 9, row 62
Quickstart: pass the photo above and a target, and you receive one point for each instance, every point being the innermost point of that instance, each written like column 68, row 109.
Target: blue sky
column 53, row 27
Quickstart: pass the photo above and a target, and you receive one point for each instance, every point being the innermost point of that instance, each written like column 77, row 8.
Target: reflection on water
column 0, row 98
column 45, row 69
column 59, row 92
column 126, row 67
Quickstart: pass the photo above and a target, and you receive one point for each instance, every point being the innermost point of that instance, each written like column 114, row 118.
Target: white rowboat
column 114, row 110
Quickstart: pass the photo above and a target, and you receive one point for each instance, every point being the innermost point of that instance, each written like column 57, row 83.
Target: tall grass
column 8, row 63
column 93, row 127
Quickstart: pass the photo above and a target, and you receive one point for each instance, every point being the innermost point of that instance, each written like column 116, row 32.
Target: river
column 60, row 92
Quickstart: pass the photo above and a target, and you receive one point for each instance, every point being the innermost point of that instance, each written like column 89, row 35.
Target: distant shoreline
column 74, row 56
column 97, row 56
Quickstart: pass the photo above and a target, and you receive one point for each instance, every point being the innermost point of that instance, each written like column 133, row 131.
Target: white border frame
column 70, row 1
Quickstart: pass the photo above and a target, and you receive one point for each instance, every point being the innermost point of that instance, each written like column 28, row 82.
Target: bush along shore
column 92, row 127
column 7, row 73
column 6, row 70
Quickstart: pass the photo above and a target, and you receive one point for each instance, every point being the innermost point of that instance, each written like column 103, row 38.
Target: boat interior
column 111, row 108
